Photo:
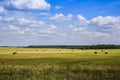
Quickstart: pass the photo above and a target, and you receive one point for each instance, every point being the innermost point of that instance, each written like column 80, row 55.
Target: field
column 59, row 64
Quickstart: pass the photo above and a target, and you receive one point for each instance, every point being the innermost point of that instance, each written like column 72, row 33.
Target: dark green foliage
column 83, row 47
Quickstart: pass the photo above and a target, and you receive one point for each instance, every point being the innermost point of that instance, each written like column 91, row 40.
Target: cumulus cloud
column 9, row 19
column 0, row 18
column 28, row 4
column 2, row 10
column 107, row 24
column 29, row 27
column 51, row 29
column 95, row 30
column 82, row 20
column 61, row 17
column 84, row 35
column 6, row 20
column 108, row 20
column 77, row 29
column 98, row 34
column 31, row 23
column 99, row 20
column 58, row 7
column 13, row 28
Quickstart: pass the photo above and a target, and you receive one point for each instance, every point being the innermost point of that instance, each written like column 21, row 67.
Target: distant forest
column 76, row 46
column 70, row 46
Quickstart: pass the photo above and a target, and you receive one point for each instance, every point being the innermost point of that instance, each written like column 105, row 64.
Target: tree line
column 76, row 46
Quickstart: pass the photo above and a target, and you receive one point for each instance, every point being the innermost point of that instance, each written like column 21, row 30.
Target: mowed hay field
column 59, row 64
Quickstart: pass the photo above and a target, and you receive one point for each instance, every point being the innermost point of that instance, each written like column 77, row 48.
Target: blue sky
column 59, row 22
column 88, row 8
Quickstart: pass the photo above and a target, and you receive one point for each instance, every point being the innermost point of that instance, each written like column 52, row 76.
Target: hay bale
column 106, row 52
column 14, row 53
column 95, row 52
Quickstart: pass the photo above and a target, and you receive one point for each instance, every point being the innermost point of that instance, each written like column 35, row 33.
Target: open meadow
column 59, row 64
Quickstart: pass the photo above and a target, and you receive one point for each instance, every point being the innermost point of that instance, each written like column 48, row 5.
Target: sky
column 59, row 22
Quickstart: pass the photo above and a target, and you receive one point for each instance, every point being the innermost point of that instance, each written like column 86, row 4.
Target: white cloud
column 58, row 7
column 108, row 20
column 21, row 32
column 8, row 19
column 71, row 26
column 28, row 4
column 98, row 30
column 28, row 27
column 107, row 24
column 49, row 30
column 95, row 30
column 13, row 28
column 82, row 35
column 0, row 18
column 98, row 34
column 100, row 21
column 77, row 29
column 30, row 23
column 61, row 17
column 82, row 20
column 16, row 30
column 2, row 10
column 80, row 17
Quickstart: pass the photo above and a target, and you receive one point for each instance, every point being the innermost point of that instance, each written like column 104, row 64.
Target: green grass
column 59, row 64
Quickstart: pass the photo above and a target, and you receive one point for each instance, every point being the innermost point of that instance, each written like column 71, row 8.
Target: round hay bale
column 95, row 52
column 14, row 53
column 106, row 52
